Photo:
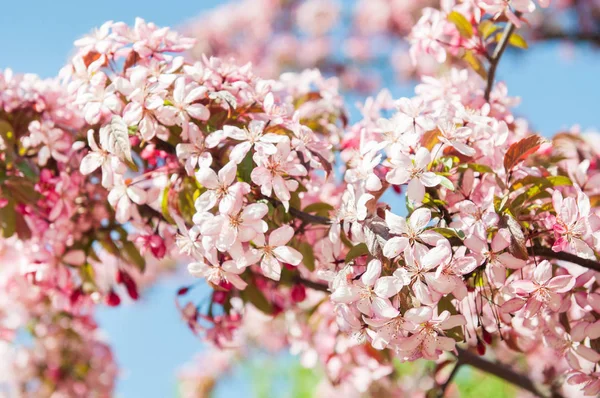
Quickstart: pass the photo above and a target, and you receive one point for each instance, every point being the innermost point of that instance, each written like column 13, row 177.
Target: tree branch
column 593, row 38
column 502, row 371
column 445, row 386
column 542, row 251
column 495, row 60
column 310, row 218
column 313, row 285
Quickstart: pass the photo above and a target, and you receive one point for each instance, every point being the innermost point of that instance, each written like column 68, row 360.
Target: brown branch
column 495, row 60
column 546, row 252
column 502, row 371
column 313, row 285
column 310, row 218
column 550, row 35
column 445, row 386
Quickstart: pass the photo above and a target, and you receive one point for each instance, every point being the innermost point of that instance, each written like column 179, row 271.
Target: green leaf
column 245, row 168
column 8, row 219
column 27, row 170
column 359, row 250
column 186, row 199
column 252, row 295
column 450, row 232
column 164, row 205
column 445, row 304
column 8, row 136
column 110, row 246
column 446, row 183
column 480, row 168
column 462, row 24
column 133, row 255
column 320, row 208
column 308, row 255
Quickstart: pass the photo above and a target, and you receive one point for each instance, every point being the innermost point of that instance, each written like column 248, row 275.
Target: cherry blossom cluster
column 366, row 42
column 264, row 191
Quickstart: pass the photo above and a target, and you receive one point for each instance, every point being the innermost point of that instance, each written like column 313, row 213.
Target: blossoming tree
column 137, row 153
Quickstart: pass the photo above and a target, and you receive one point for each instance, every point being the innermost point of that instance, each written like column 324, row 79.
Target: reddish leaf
column 430, row 138
column 520, row 150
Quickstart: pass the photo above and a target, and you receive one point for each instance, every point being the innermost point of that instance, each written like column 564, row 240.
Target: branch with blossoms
column 139, row 153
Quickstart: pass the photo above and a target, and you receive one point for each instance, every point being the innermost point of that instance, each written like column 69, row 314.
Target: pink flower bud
column 298, row 293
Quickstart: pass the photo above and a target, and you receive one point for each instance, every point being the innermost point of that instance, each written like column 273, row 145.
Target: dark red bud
column 298, row 293
column 480, row 347
column 183, row 290
column 277, row 309
column 289, row 266
column 397, row 189
column 75, row 295
column 487, row 336
column 112, row 299
column 219, row 297
column 124, row 278
column 226, row 285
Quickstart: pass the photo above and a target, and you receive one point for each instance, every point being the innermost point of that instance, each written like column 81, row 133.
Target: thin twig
column 593, row 38
column 542, row 251
column 313, row 285
column 495, row 60
column 502, row 371
column 310, row 218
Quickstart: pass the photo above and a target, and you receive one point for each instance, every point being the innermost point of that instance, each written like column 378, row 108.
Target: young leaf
column 518, row 41
column 308, row 256
column 8, row 219
column 319, row 208
column 518, row 151
column 357, row 251
column 446, row 183
column 133, row 255
column 450, row 232
column 252, row 295
column 475, row 63
column 430, row 138
column 462, row 24
column 445, row 304
column 487, row 28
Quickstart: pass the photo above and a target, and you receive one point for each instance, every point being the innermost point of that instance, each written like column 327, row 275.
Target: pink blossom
column 274, row 252
column 412, row 233
column 220, row 189
column 571, row 223
column 427, row 339
column 543, row 289
column 272, row 169
column 370, row 293
column 239, row 225
column 413, row 170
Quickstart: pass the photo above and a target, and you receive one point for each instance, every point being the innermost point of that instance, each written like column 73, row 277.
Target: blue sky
column 149, row 338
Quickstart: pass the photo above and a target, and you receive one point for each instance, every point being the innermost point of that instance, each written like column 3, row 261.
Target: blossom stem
column 563, row 256
column 503, row 372
column 495, row 60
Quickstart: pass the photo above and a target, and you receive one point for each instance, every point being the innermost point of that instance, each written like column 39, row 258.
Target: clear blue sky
column 149, row 339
